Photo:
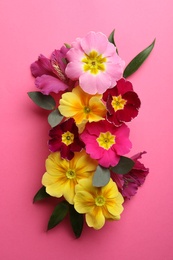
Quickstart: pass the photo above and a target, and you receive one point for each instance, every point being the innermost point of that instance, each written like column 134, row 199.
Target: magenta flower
column 128, row 184
column 122, row 102
column 50, row 73
column 94, row 62
column 106, row 142
column 65, row 139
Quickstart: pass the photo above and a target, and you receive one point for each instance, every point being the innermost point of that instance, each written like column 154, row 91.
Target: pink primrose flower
column 128, row 183
column 122, row 102
column 94, row 62
column 106, row 142
column 65, row 139
column 50, row 73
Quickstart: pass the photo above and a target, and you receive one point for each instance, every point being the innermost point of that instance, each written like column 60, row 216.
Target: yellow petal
column 69, row 190
column 83, row 201
column 83, row 168
column 55, row 190
column 82, row 106
column 110, row 190
column 83, row 96
column 96, row 219
column 86, row 184
column 55, row 164
column 47, row 179
column 70, row 104
column 98, row 109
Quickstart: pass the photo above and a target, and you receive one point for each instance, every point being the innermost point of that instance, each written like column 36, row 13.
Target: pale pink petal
column 75, row 54
column 48, row 84
column 74, row 70
column 76, row 43
column 114, row 70
column 93, row 84
column 103, row 81
column 94, row 41
column 115, row 59
column 88, row 83
column 110, row 50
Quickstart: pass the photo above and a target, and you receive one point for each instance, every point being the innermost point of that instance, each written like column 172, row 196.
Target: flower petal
column 83, row 201
column 94, row 41
column 96, row 219
column 41, row 66
column 95, row 84
column 48, row 84
column 74, row 70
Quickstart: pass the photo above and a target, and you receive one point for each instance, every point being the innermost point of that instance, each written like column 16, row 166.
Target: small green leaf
column 124, row 166
column 58, row 214
column 101, row 176
column 111, row 39
column 76, row 220
column 138, row 60
column 44, row 101
column 67, row 45
column 41, row 194
column 54, row 118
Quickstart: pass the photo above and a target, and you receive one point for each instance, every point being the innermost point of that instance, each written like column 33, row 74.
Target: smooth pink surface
column 28, row 28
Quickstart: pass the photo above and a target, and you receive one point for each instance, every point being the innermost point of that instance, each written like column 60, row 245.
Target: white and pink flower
column 93, row 61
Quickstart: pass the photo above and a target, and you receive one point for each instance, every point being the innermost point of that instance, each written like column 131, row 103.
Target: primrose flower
column 128, row 183
column 81, row 106
column 62, row 175
column 122, row 102
column 105, row 142
column 50, row 73
column 99, row 204
column 65, row 139
column 94, row 62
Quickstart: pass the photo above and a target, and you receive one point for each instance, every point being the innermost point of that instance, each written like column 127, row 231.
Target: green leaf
column 44, row 101
column 111, row 39
column 101, row 176
column 67, row 45
column 54, row 118
column 41, row 194
column 124, row 166
column 138, row 60
column 58, row 214
column 76, row 220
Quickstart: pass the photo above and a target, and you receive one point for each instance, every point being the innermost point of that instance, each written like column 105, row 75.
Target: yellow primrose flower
column 82, row 106
column 62, row 175
column 99, row 204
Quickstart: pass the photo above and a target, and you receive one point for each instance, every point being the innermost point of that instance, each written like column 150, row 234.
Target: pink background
column 28, row 28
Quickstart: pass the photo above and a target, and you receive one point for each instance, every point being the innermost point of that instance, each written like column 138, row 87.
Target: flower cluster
column 91, row 101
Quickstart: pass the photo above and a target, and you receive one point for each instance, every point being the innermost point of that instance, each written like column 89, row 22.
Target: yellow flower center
column 94, row 62
column 70, row 174
column 67, row 138
column 118, row 102
column 100, row 201
column 106, row 140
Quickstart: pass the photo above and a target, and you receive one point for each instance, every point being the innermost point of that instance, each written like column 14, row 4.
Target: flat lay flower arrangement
column 85, row 87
